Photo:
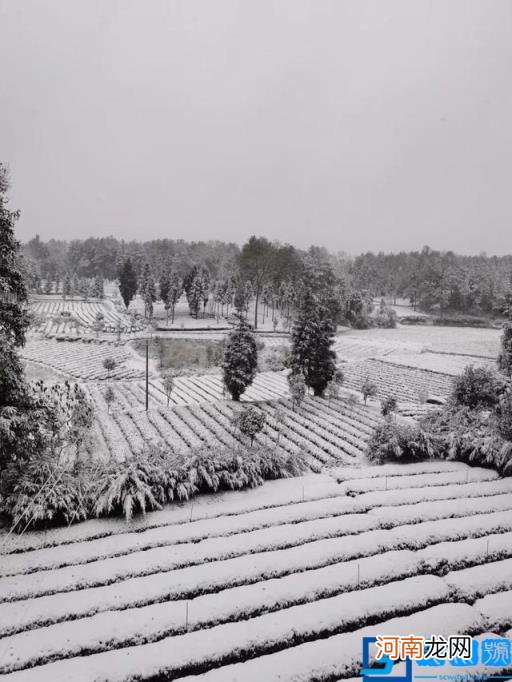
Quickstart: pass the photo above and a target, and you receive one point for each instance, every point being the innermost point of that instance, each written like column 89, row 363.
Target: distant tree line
column 273, row 276
column 439, row 282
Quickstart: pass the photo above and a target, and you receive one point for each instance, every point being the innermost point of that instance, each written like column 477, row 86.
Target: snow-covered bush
column 399, row 442
column 125, row 487
column 477, row 387
column 47, row 493
column 470, row 436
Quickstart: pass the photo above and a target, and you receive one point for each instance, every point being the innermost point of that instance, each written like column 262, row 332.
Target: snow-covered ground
column 275, row 583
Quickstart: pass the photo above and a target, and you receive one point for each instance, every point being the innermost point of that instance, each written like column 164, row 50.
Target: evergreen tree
column 13, row 292
column 171, row 289
column 127, row 282
column 146, row 273
column 48, row 286
column 149, row 296
column 240, row 358
column 312, row 338
column 256, row 265
column 66, row 286
column 75, row 285
column 164, row 285
column 205, row 287
column 174, row 295
column 194, row 291
column 98, row 290
column 505, row 356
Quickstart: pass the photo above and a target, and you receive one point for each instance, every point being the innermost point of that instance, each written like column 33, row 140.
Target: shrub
column 504, row 416
column 399, row 442
column 109, row 397
column 125, row 487
column 296, row 387
column 505, row 356
column 388, row 405
column 368, row 389
column 45, row 493
column 476, row 387
column 470, row 436
column 250, row 420
column 276, row 359
column 385, row 318
column 109, row 364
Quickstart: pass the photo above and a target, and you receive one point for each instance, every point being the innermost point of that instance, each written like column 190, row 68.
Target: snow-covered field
column 329, row 434
column 84, row 361
column 53, row 324
column 277, row 583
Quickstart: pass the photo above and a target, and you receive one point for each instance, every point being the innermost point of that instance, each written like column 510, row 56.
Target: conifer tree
column 149, row 296
column 13, row 292
column 240, row 358
column 75, row 285
column 127, row 282
column 98, row 290
column 66, row 285
column 505, row 356
column 174, row 295
column 312, row 338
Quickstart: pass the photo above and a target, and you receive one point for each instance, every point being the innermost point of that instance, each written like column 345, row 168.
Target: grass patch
column 183, row 354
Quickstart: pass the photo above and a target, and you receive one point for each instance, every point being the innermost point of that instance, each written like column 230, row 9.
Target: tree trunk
column 256, row 309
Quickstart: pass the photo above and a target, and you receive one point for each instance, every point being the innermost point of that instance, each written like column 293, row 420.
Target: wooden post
column 147, row 373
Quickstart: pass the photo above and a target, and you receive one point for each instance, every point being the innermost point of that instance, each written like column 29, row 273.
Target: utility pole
column 147, row 373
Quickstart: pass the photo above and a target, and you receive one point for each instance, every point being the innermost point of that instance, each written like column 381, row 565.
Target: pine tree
column 240, row 358
column 171, row 288
column 312, row 338
column 205, row 287
column 127, row 282
column 146, row 274
column 149, row 296
column 175, row 291
column 195, row 294
column 98, row 290
column 505, row 356
column 75, row 285
column 66, row 286
column 13, row 292
column 164, row 285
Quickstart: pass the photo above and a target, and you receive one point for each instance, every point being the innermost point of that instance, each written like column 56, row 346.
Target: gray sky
column 355, row 124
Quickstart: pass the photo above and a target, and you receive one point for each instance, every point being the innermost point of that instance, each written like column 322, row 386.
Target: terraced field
column 83, row 311
column 83, row 361
column 196, row 389
column 278, row 583
column 440, row 363
column 406, row 384
column 328, row 434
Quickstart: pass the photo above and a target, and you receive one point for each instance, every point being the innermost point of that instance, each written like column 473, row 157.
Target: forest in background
column 433, row 281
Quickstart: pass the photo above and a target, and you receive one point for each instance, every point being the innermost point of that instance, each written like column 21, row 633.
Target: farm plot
column 269, row 588
column 349, row 348
column 84, row 312
column 328, row 434
column 191, row 390
column 453, row 340
column 83, row 361
column 404, row 383
column 441, row 363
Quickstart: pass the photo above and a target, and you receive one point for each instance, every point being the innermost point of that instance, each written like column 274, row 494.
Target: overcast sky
column 354, row 124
